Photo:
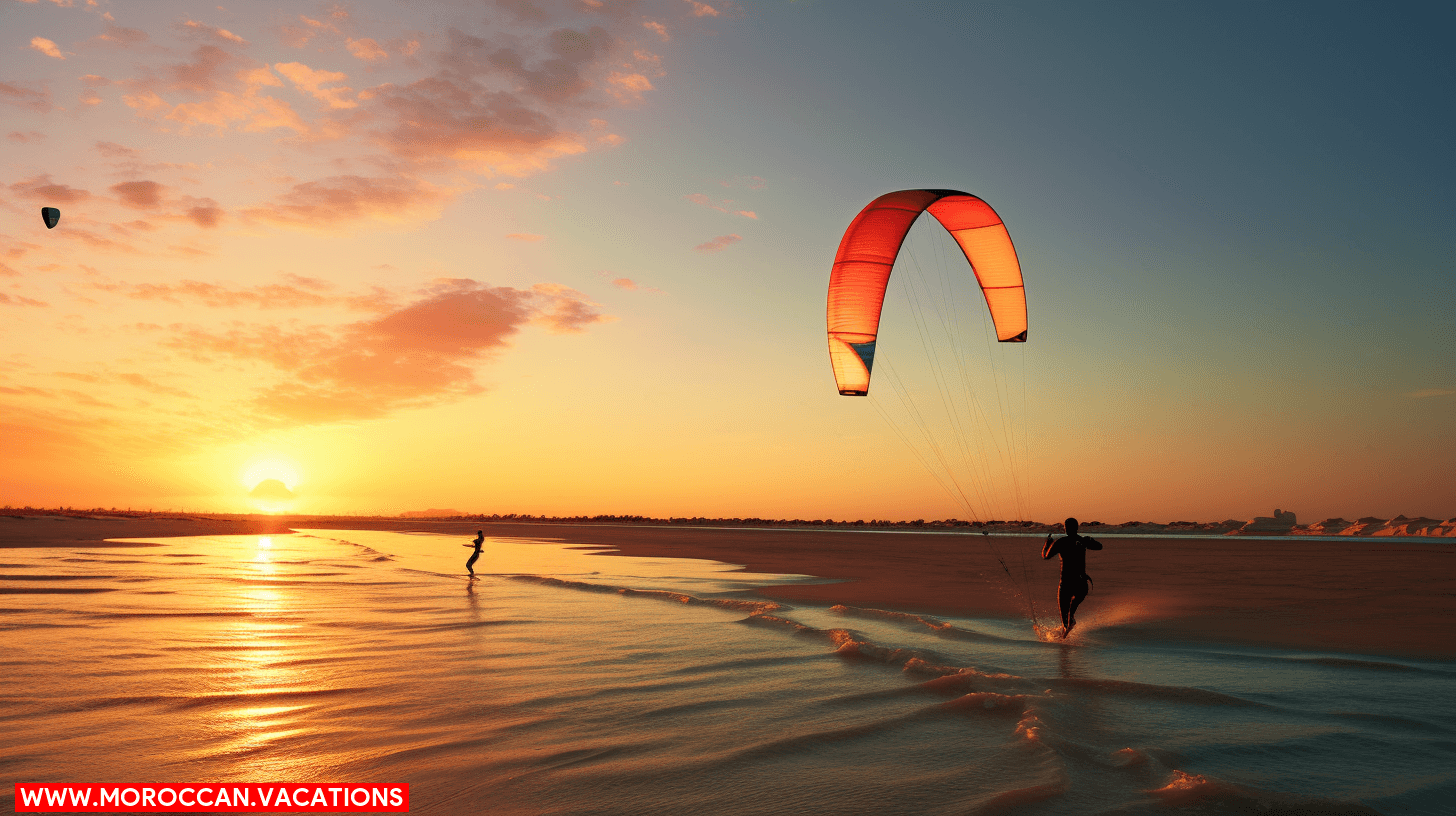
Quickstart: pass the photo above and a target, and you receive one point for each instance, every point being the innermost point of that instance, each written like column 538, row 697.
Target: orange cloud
column 123, row 37
column 526, row 236
column 25, row 97
column 46, row 47
column 194, row 27
column 718, row 244
column 138, row 381
column 628, row 88
column 702, row 9
column 657, row 28
column 139, row 194
column 271, row 296
column 205, row 213
column 26, row 137
column 421, row 354
column 366, row 49
column 308, row 80
column 40, row 188
column 17, row 300
column 340, row 201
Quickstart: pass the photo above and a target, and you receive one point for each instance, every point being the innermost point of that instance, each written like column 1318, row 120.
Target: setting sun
column 260, row 470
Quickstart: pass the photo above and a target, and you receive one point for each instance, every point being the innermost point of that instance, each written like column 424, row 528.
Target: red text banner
column 203, row 797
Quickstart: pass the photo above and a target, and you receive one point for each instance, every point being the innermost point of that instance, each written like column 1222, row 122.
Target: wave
column 751, row 607
column 1187, row 790
column 934, row 625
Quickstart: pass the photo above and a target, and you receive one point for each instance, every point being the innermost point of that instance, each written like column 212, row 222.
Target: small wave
column 261, row 698
column 934, row 625
column 744, row 663
column 1386, row 719
column 751, row 607
column 987, row 701
column 1148, row 691
column 1190, row 790
column 1015, row 801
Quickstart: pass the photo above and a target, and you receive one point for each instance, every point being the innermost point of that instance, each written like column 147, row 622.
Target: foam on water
column 566, row 681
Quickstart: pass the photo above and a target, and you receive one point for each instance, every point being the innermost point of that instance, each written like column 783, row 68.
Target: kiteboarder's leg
column 1078, row 595
column 470, row 565
column 1064, row 600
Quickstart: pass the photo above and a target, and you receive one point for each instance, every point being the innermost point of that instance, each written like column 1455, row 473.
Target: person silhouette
column 1075, row 581
column 479, row 539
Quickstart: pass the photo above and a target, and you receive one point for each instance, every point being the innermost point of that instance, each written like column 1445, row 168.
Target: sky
column 571, row 257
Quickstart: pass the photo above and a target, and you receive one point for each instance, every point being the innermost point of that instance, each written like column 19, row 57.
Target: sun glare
column 262, row 469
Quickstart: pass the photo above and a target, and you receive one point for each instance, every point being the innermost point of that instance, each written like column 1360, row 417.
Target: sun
column 277, row 468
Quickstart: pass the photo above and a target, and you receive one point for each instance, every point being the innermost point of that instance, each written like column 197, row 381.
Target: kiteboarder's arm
column 1091, row 543
column 1051, row 548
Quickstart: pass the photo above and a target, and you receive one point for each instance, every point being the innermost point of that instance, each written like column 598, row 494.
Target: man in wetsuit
column 1073, row 550
column 479, row 539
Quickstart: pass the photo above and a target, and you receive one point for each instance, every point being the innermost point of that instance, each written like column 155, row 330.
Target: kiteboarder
column 480, row 539
column 1073, row 590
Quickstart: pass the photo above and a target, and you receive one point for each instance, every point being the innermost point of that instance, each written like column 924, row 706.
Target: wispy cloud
column 19, row 300
column 267, row 296
column 42, row 189
column 702, row 9
column 1431, row 392
column 528, row 237
column 718, row 244
column 22, row 97
column 211, row 32
column 347, row 201
column 722, row 206
column 308, row 80
column 629, row 284
column 751, row 182
column 420, row 354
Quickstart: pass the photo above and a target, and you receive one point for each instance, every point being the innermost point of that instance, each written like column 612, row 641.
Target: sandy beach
column 1376, row 596
column 620, row 670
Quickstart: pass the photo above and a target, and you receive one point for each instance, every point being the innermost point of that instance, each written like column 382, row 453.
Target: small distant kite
column 51, row 216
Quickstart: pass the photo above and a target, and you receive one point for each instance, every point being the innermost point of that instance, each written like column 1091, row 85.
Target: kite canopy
column 51, row 216
column 867, row 254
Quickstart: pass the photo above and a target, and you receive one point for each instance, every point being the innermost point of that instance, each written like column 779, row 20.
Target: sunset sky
column 571, row 258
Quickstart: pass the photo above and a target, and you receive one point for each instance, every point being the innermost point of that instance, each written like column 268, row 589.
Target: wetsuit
column 1074, row 588
column 470, row 565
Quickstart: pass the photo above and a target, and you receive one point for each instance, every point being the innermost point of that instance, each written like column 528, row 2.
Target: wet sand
column 1389, row 596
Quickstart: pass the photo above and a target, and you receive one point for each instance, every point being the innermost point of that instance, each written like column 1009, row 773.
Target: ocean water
column 569, row 681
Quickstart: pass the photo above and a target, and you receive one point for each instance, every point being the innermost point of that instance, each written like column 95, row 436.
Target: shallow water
column 567, row 681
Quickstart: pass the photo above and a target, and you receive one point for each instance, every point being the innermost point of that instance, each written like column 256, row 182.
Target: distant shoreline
column 1424, row 529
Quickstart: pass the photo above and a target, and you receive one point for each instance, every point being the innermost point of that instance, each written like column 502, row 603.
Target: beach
column 1383, row 596
column 597, row 669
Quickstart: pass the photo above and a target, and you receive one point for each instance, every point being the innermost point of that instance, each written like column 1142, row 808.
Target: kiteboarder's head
column 1071, row 526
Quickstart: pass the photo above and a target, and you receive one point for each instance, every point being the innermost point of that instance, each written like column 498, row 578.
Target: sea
column 569, row 680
